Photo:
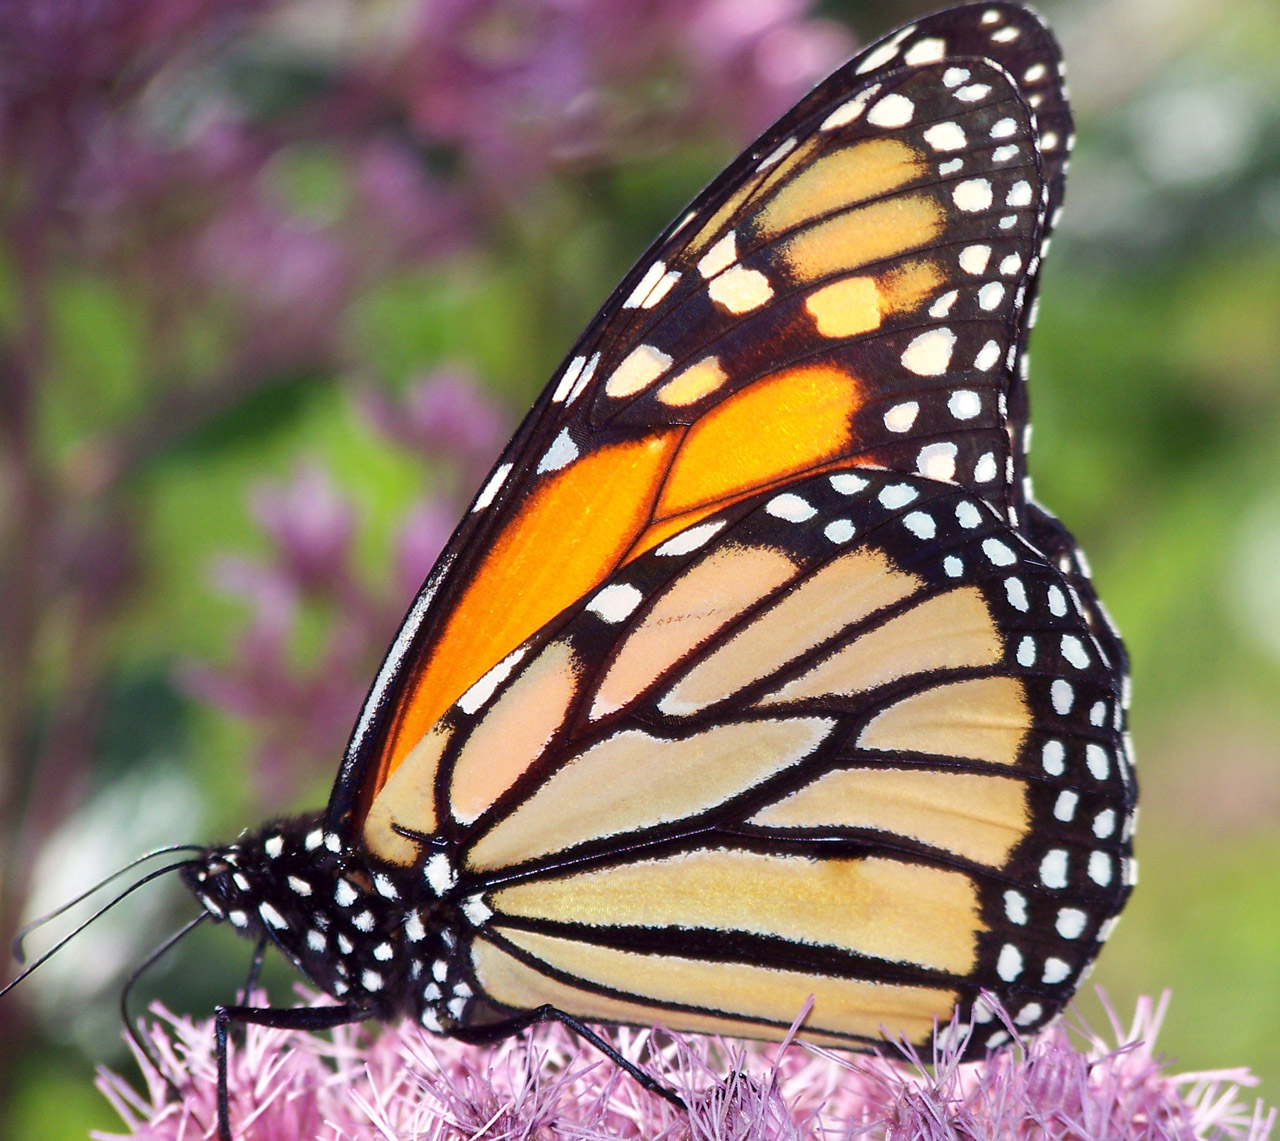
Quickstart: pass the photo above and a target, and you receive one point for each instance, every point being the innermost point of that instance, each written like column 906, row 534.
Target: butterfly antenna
column 92, row 919
column 19, row 952
column 141, row 1043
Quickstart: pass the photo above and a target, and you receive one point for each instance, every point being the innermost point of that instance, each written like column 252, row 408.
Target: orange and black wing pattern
column 752, row 672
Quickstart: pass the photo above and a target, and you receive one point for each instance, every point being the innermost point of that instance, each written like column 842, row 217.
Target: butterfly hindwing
column 855, row 738
column 854, row 288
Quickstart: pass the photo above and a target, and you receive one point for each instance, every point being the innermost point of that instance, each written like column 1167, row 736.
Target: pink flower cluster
column 400, row 1083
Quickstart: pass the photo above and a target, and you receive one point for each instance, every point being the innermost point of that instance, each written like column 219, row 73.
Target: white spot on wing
column 900, row 417
column 720, row 256
column 895, row 495
column 1015, row 906
column 1053, row 868
column 945, row 137
column 988, row 356
column 568, row 378
column 839, row 530
column 998, row 553
column 846, row 483
column 563, row 451
column 484, row 688
column 878, row 58
column 1100, row 868
column 1009, row 963
column 929, row 354
column 1071, row 922
column 964, row 404
column 637, row 371
column 584, row 378
column 1062, row 696
column 1019, row 194
column 1074, row 652
column 942, row 306
column 849, row 110
column 891, row 111
column 920, row 524
column 615, row 602
column 645, row 285
column 990, row 295
column 791, row 508
column 690, row 540
column 491, row 488
column 937, row 461
column 929, row 50
column 972, row 195
column 777, row 154
column 1054, row 758
column 739, row 290
column 1097, row 761
column 1055, row 970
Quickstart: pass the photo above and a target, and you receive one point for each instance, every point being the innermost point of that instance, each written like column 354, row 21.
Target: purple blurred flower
column 404, row 214
column 524, row 88
column 311, row 526
column 445, row 411
column 287, row 281
column 403, row 1083
column 423, row 534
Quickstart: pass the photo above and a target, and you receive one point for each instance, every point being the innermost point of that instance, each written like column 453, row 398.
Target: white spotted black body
column 371, row 936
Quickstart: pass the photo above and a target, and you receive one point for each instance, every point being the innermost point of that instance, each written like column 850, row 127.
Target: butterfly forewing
column 853, row 289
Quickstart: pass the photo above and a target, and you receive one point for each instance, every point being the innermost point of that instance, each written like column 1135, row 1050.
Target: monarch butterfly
column 753, row 672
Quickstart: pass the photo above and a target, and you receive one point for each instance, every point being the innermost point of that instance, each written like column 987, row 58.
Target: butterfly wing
column 853, row 289
column 856, row 738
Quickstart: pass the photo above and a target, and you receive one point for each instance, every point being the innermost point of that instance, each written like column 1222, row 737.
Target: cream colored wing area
column 975, row 816
column 845, row 1007
column 633, row 780
column 408, row 799
column 948, row 631
column 843, row 592
column 982, row 719
column 701, row 601
column 882, row 908
column 513, row 733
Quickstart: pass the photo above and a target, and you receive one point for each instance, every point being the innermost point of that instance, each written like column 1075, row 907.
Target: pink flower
column 446, row 411
column 362, row 1085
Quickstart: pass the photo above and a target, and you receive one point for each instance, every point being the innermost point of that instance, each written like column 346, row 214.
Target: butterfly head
column 345, row 925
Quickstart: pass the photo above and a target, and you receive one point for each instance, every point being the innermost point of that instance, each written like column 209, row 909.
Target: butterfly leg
column 280, row 1018
column 479, row 1035
column 255, row 969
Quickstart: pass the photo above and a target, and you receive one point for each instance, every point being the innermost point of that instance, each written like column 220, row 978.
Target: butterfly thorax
column 360, row 930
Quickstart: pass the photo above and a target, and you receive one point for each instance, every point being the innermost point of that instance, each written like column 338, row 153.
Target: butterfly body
column 754, row 673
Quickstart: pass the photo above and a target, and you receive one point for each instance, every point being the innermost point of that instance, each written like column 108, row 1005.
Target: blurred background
column 277, row 277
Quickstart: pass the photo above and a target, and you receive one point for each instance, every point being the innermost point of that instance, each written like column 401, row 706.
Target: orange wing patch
column 615, row 503
column 809, row 412
column 577, row 525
